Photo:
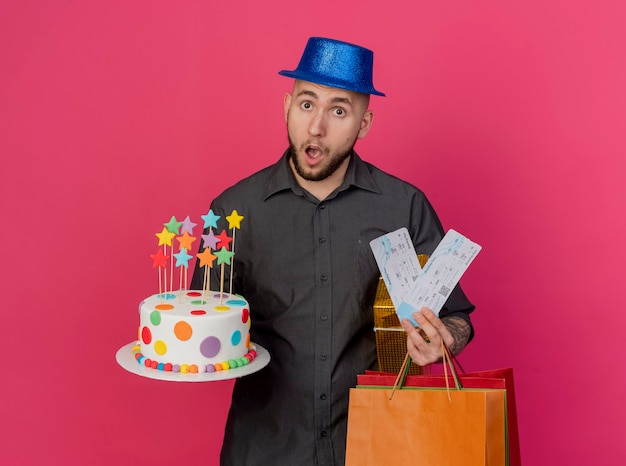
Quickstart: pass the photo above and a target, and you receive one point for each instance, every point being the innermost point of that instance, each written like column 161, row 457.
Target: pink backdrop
column 116, row 115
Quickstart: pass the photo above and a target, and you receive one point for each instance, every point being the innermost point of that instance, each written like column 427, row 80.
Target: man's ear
column 366, row 123
column 287, row 103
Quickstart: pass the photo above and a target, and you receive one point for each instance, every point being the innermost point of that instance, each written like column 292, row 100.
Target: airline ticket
column 412, row 288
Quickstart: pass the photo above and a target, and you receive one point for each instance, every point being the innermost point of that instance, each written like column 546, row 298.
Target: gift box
column 390, row 336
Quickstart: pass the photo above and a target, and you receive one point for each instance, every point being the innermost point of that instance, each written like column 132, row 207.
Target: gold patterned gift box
column 390, row 336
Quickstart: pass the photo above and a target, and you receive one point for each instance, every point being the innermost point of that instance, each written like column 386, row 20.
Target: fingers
column 424, row 343
column 426, row 320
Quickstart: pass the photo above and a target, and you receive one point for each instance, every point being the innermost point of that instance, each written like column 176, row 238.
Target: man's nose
column 317, row 126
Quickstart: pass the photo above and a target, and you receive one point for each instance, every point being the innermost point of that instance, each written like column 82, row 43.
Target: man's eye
column 306, row 105
column 340, row 111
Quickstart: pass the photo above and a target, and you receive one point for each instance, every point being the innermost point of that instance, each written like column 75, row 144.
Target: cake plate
column 126, row 359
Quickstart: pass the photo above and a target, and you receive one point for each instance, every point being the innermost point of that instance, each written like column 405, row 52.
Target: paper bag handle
column 447, row 363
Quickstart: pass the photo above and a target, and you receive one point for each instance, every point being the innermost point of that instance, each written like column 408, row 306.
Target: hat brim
column 329, row 81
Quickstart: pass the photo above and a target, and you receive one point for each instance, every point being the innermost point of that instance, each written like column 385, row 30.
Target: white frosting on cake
column 188, row 327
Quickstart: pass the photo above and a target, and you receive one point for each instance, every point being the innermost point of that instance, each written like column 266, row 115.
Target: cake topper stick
column 186, row 229
column 159, row 261
column 206, row 285
column 180, row 284
column 222, row 284
column 173, row 227
column 209, row 242
column 172, row 275
column 210, row 222
column 166, row 288
column 234, row 222
column 224, row 242
column 182, row 258
column 182, row 262
column 223, row 257
column 206, row 261
column 230, row 281
column 165, row 239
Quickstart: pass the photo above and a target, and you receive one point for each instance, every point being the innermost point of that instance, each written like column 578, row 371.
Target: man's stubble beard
column 333, row 165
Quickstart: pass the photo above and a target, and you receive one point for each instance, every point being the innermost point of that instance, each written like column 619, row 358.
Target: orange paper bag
column 426, row 426
column 495, row 378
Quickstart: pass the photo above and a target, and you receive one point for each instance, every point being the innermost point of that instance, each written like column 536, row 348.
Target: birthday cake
column 187, row 331
column 192, row 331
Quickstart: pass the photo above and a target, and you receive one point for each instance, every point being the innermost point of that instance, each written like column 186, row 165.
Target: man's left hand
column 424, row 344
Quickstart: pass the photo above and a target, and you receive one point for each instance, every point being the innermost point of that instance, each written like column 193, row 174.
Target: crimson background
column 116, row 115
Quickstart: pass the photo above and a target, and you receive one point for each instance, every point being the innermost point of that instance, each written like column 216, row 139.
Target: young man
column 306, row 268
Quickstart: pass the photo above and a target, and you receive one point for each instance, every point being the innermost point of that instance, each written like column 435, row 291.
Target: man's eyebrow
column 335, row 100
column 307, row 92
column 343, row 100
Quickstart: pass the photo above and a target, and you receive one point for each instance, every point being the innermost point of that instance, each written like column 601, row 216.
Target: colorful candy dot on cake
column 167, row 367
column 160, row 366
column 146, row 335
column 155, row 317
column 154, row 364
column 236, row 302
column 194, row 294
column 160, row 347
column 225, row 365
column 210, row 368
column 193, row 369
column 164, row 307
column 136, row 349
column 217, row 366
column 175, row 368
column 201, row 368
column 182, row 330
column 184, row 368
column 210, row 347
column 235, row 338
column 245, row 314
column 147, row 362
column 141, row 359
